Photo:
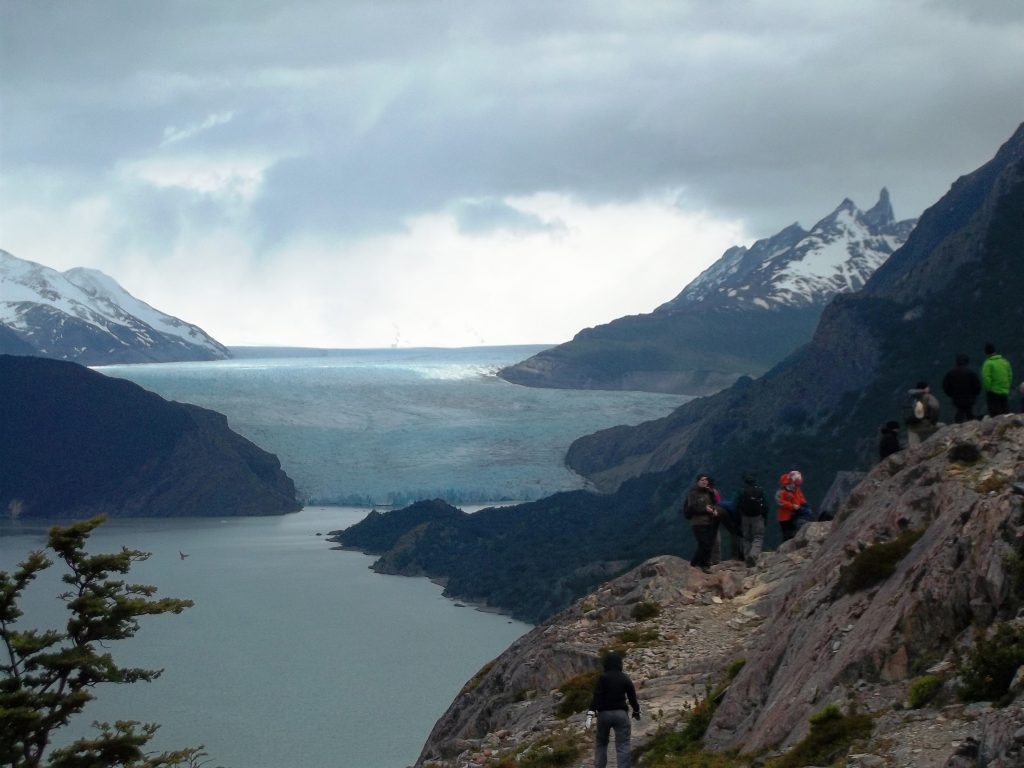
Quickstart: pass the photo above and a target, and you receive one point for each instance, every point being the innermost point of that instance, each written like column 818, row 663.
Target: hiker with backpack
column 921, row 414
column 752, row 506
column 614, row 695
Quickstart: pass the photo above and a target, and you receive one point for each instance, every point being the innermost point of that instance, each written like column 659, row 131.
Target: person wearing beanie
column 996, row 378
column 889, row 442
column 962, row 385
column 609, row 707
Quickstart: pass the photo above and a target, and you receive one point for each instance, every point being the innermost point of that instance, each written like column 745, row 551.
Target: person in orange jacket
column 788, row 499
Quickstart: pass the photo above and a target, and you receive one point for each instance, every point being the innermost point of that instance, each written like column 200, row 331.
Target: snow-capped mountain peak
column 85, row 315
column 796, row 268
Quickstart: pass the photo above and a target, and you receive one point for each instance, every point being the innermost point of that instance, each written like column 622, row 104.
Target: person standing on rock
column 996, row 378
column 889, row 441
column 962, row 385
column 751, row 505
column 789, row 500
column 609, row 706
column 700, row 509
column 921, row 415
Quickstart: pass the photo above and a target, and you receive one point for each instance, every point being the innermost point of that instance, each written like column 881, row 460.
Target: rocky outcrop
column 809, row 634
column 76, row 443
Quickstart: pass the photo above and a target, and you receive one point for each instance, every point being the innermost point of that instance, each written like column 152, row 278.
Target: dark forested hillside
column 76, row 443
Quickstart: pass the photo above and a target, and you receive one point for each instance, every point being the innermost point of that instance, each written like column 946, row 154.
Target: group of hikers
column 963, row 386
column 745, row 516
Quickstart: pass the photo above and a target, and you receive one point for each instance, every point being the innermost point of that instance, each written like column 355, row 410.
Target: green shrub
column 923, row 690
column 637, row 637
column 831, row 736
column 644, row 610
column 577, row 693
column 990, row 666
column 875, row 564
column 734, row 669
column 551, row 752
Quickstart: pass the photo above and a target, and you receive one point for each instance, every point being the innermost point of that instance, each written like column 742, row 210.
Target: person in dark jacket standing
column 608, row 705
column 751, row 504
column 699, row 508
column 889, row 442
column 962, row 385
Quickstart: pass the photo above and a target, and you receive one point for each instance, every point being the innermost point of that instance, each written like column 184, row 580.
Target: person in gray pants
column 752, row 506
column 609, row 707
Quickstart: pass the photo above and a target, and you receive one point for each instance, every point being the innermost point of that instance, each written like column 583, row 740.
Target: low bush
column 577, row 693
column 990, row 666
column 552, row 752
column 923, row 690
column 875, row 564
column 644, row 610
column 831, row 736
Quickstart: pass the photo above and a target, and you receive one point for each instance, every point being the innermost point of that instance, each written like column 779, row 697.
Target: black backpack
column 752, row 503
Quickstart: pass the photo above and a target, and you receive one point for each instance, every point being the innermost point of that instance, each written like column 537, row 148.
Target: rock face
column 76, row 443
column 810, row 635
column 739, row 317
column 85, row 316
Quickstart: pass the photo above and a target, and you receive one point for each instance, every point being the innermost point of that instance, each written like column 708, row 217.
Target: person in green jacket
column 996, row 378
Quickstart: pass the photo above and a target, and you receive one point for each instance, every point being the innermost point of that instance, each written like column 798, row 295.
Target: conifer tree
column 48, row 676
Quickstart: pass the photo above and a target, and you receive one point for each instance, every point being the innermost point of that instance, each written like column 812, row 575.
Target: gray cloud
column 369, row 113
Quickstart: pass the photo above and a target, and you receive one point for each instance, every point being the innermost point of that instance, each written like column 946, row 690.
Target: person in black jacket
column 962, row 385
column 608, row 705
column 889, row 442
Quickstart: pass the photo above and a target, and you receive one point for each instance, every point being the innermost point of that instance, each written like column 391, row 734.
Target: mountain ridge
column 85, row 316
column 739, row 317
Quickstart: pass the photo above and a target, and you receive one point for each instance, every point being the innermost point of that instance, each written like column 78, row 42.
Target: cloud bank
column 364, row 174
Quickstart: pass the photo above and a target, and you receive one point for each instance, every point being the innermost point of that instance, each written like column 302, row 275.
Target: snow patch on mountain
column 85, row 314
column 797, row 267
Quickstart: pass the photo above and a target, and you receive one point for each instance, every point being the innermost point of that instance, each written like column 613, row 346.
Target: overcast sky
column 348, row 174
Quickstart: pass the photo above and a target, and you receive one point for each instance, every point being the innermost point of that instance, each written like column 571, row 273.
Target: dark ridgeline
column 76, row 443
column 956, row 283
column 741, row 316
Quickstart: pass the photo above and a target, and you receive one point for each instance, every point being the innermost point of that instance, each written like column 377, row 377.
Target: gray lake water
column 293, row 655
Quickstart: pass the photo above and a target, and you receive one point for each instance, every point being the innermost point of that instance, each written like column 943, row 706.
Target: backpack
column 915, row 410
column 752, row 502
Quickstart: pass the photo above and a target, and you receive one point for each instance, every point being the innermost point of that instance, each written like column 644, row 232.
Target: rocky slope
column 739, row 317
column 85, row 316
column 812, row 623
column 76, row 443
